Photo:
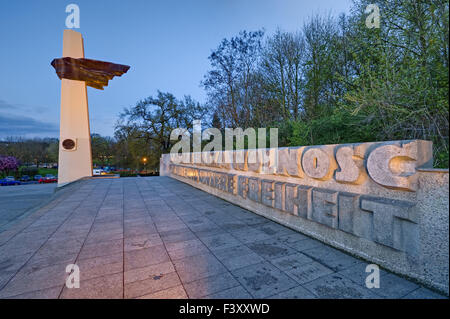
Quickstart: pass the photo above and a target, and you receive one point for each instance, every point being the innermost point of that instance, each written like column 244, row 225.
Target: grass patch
column 44, row 171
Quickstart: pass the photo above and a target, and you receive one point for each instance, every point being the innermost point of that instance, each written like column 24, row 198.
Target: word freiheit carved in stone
column 388, row 222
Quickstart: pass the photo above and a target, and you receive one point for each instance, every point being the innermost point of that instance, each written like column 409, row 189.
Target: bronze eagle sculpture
column 95, row 73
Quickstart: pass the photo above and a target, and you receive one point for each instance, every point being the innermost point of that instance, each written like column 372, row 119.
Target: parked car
column 25, row 178
column 37, row 177
column 49, row 178
column 9, row 180
column 97, row 171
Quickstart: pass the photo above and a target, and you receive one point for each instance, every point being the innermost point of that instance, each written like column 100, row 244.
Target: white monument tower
column 75, row 156
column 76, row 73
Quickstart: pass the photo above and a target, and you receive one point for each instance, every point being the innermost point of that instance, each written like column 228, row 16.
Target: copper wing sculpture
column 95, row 73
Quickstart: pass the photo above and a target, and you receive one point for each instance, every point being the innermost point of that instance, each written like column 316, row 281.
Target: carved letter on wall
column 394, row 223
column 348, row 171
column 242, row 186
column 297, row 199
column 347, row 210
column 267, row 193
column 316, row 163
column 325, row 207
column 279, row 195
column 254, row 192
column 254, row 160
column 231, row 184
column 394, row 166
column 240, row 160
column 288, row 163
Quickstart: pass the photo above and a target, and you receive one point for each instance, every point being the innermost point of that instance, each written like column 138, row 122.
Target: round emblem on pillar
column 68, row 144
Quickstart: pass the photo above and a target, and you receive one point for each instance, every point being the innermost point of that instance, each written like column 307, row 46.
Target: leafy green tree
column 144, row 130
column 102, row 150
column 231, row 80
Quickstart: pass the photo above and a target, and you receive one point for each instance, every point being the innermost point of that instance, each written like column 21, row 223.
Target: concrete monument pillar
column 76, row 73
column 75, row 157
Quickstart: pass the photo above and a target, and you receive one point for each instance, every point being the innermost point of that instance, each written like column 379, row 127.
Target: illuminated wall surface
column 381, row 201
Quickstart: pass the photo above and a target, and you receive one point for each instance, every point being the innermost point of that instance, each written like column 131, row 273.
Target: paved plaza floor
column 17, row 201
column 156, row 237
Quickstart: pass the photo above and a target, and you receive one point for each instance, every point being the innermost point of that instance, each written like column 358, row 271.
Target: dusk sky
column 166, row 43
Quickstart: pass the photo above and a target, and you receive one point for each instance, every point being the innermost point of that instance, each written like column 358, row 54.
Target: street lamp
column 145, row 163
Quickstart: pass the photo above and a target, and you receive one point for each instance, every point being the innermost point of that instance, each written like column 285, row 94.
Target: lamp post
column 144, row 160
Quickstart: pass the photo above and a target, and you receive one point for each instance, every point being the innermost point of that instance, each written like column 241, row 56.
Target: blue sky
column 166, row 43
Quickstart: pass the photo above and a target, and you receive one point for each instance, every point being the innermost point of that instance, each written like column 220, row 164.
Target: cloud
column 18, row 125
column 5, row 106
column 15, row 121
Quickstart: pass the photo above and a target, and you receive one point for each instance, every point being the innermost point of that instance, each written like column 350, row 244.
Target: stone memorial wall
column 380, row 201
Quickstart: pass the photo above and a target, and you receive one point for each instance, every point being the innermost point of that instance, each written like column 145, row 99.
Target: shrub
column 149, row 174
column 127, row 174
column 30, row 171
